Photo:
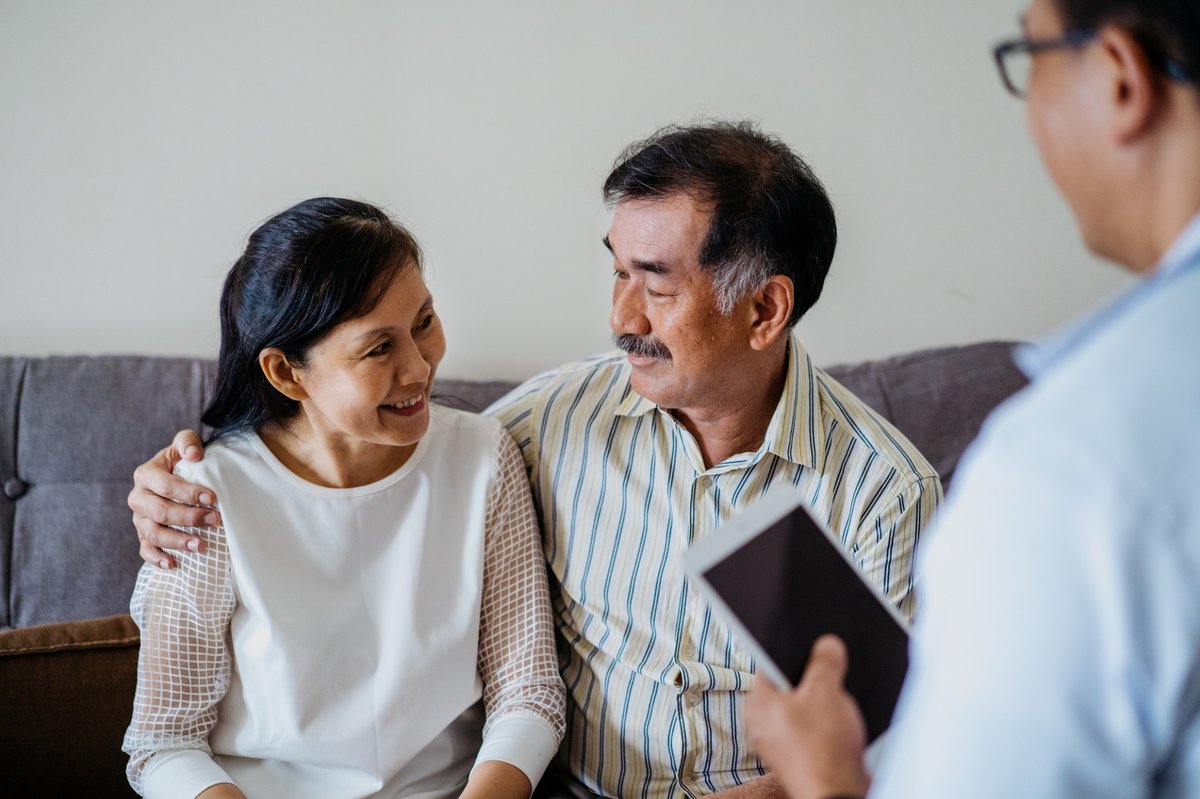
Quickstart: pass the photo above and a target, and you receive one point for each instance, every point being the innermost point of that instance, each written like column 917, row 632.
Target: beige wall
column 141, row 141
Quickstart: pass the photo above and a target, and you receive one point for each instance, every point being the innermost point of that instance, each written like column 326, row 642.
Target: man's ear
column 1135, row 90
column 281, row 374
column 773, row 303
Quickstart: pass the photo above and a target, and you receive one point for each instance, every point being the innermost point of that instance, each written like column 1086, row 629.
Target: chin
column 652, row 390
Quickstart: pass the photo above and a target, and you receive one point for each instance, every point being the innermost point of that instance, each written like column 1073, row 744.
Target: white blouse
column 336, row 642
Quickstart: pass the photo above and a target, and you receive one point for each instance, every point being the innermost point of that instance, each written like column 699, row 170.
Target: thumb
column 187, row 446
column 827, row 662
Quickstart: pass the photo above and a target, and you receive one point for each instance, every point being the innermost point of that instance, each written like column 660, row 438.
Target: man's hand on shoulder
column 160, row 500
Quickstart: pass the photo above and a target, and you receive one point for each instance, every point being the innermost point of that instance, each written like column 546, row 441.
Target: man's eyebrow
column 653, row 267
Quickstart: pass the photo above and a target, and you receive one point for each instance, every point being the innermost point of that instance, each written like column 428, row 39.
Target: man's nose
column 628, row 313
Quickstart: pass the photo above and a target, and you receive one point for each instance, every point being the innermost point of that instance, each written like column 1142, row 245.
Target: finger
column 187, row 445
column 764, row 714
column 760, row 703
column 153, row 479
column 827, row 662
column 153, row 555
column 159, row 512
column 157, row 537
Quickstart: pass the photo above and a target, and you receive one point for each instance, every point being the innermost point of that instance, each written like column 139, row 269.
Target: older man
column 721, row 239
column 1084, row 492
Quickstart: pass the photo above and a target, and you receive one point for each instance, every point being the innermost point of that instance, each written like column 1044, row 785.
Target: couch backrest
column 72, row 430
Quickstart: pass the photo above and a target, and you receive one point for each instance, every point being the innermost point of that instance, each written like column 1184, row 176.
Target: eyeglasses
column 1014, row 58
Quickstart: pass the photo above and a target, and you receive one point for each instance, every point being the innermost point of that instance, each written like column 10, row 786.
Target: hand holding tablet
column 782, row 580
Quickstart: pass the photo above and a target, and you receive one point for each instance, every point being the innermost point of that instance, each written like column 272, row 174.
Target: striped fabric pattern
column 655, row 680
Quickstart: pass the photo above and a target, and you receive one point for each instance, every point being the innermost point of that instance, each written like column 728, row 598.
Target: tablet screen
column 790, row 584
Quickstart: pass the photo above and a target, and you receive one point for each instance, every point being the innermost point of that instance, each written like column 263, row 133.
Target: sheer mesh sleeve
column 184, row 663
column 518, row 663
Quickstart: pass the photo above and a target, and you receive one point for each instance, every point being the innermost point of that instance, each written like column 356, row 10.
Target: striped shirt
column 655, row 680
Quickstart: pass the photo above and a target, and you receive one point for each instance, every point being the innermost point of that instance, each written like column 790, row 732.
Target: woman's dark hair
column 1168, row 30
column 770, row 214
column 304, row 271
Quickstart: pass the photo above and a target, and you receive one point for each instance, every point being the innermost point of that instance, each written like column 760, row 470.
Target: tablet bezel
column 743, row 527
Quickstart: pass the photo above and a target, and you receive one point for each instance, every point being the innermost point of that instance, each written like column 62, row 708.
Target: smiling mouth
column 408, row 407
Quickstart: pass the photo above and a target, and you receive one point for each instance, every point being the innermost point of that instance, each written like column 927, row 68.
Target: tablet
column 782, row 580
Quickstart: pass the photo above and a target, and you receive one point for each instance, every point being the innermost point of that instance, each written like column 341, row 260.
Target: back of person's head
column 304, row 271
column 770, row 213
column 1167, row 30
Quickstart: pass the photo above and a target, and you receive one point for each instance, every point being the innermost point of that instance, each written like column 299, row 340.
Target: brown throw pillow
column 66, row 697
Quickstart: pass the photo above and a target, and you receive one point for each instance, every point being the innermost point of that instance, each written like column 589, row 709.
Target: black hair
column 770, row 214
column 304, row 271
column 1168, row 30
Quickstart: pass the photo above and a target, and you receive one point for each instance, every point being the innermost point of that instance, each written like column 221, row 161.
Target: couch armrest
column 66, row 697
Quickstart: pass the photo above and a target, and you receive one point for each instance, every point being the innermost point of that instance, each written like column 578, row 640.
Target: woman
column 378, row 569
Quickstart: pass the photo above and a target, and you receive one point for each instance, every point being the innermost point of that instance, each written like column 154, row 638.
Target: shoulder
column 230, row 452
column 1123, row 401
column 846, row 416
column 464, row 432
column 590, row 380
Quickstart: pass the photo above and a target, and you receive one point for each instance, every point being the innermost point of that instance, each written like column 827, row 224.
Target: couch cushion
column 12, row 372
column 67, row 696
column 84, row 425
column 937, row 397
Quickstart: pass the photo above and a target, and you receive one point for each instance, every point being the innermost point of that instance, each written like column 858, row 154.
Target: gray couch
column 73, row 429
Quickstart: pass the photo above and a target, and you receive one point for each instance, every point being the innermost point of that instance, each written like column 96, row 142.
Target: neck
column 1162, row 192
column 739, row 422
column 331, row 461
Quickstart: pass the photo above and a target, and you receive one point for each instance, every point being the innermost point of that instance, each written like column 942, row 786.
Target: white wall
column 141, row 141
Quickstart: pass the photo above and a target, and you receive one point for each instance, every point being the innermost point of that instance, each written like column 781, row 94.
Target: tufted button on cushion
column 15, row 487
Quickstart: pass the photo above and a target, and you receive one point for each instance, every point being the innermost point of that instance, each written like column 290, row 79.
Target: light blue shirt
column 1057, row 650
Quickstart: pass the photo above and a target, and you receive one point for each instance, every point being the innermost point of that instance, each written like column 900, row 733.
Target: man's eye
column 619, row 275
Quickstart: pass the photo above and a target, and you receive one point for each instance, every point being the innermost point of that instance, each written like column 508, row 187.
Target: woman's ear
column 281, row 374
column 773, row 303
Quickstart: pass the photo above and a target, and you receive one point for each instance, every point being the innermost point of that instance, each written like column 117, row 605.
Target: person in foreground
column 721, row 239
column 1057, row 653
column 376, row 567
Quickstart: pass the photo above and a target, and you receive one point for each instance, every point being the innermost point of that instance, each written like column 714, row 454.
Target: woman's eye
column 425, row 323
column 382, row 349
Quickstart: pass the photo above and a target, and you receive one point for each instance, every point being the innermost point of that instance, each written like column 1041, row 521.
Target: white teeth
column 406, row 404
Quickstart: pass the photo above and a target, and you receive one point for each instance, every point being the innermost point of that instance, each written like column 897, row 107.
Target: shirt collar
column 1182, row 256
column 793, row 432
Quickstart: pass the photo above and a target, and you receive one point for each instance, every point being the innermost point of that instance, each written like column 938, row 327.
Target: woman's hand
column 159, row 499
column 495, row 779
column 224, row 790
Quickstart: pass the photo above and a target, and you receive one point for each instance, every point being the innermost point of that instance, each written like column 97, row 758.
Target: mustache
column 642, row 345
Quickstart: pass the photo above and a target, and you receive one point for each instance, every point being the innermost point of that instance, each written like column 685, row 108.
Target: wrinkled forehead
column 675, row 222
